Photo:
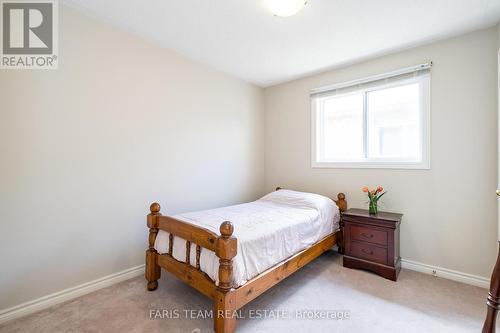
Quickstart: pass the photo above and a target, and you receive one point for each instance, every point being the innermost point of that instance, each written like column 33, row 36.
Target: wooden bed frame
column 227, row 299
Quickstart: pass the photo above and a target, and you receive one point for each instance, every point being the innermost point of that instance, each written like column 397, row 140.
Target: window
column 378, row 122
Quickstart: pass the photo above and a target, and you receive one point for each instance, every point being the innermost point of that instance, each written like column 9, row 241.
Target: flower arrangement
column 374, row 196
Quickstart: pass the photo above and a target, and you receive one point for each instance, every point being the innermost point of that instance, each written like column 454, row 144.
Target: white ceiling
column 242, row 38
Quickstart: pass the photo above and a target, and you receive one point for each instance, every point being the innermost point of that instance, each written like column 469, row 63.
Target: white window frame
column 383, row 163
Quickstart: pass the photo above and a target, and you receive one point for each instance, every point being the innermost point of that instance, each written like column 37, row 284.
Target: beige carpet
column 416, row 303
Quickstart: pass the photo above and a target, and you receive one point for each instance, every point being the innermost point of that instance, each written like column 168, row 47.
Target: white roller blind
column 372, row 81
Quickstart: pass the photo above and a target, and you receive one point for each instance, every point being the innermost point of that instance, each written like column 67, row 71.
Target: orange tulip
column 365, row 189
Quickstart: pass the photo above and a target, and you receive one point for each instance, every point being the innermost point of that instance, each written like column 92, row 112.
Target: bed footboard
column 225, row 248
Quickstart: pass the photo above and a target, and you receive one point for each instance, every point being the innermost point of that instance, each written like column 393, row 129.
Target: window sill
column 372, row 165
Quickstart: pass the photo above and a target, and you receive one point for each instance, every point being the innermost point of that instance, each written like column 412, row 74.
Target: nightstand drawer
column 368, row 252
column 365, row 234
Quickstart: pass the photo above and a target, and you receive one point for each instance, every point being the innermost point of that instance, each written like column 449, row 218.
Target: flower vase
column 372, row 208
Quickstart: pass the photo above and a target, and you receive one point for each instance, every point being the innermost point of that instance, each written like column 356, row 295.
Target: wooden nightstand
column 372, row 242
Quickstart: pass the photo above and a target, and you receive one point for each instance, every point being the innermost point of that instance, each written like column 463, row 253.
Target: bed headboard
column 341, row 202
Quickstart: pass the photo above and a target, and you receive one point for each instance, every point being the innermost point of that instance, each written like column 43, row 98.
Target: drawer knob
column 367, row 236
column 367, row 252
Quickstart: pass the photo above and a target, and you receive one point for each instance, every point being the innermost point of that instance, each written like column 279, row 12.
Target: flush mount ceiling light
column 285, row 8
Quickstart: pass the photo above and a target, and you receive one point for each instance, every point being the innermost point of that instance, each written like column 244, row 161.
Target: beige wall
column 85, row 148
column 450, row 211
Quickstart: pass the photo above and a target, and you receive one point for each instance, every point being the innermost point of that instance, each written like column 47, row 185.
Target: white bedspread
column 269, row 230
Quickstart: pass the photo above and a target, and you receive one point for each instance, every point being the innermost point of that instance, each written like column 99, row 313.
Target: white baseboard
column 68, row 294
column 445, row 273
column 85, row 288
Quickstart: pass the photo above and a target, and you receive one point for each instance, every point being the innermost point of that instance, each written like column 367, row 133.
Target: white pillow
column 299, row 199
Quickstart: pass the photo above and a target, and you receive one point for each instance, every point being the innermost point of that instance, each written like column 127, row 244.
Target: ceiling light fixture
column 285, row 8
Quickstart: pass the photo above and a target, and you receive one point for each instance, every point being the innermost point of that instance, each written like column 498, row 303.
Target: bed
column 266, row 241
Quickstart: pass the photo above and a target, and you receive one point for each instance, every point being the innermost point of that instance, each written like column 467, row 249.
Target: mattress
column 269, row 230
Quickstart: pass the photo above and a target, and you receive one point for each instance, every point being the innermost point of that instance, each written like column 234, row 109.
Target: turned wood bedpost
column 342, row 204
column 153, row 271
column 226, row 251
column 493, row 300
column 224, row 302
